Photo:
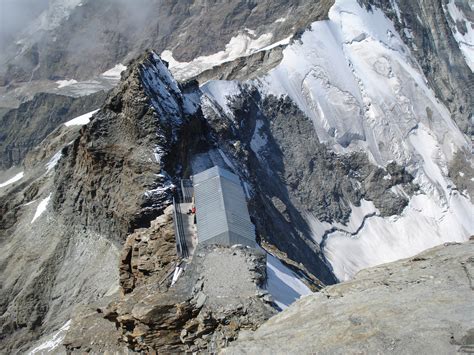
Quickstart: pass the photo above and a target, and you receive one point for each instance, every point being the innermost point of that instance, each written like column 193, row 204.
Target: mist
column 15, row 15
column 84, row 39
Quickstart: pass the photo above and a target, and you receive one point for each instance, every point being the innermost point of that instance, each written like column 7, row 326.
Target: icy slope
column 364, row 91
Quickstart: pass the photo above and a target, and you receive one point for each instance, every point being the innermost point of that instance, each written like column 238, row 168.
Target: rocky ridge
column 109, row 181
column 114, row 176
column 117, row 176
column 171, row 305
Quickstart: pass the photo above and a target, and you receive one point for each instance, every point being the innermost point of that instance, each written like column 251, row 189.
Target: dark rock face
column 461, row 171
column 68, row 51
column 293, row 173
column 437, row 52
column 25, row 127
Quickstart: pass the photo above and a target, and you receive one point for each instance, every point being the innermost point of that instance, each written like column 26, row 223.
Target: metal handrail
column 181, row 244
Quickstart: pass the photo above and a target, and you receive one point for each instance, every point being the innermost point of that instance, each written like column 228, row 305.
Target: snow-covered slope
column 364, row 91
column 283, row 284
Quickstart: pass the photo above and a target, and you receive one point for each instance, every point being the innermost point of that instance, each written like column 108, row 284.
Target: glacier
column 354, row 77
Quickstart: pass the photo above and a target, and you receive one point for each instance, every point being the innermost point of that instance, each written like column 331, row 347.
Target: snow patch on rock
column 81, row 120
column 14, row 179
column 53, row 342
column 115, row 72
column 53, row 161
column 64, row 83
column 242, row 45
column 41, row 208
column 221, row 92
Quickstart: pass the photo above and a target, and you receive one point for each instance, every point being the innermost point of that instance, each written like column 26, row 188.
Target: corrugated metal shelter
column 221, row 209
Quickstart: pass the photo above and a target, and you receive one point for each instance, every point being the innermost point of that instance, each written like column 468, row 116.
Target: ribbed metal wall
column 221, row 209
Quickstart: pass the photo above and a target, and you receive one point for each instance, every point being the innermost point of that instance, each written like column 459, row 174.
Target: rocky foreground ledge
column 420, row 305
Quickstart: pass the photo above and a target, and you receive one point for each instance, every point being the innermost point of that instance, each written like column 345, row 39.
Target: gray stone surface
column 216, row 297
column 421, row 305
column 461, row 171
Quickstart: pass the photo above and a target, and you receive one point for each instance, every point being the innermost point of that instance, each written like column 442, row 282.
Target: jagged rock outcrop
column 149, row 255
column 26, row 127
column 63, row 226
column 217, row 296
column 114, row 176
column 419, row 305
column 461, row 171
